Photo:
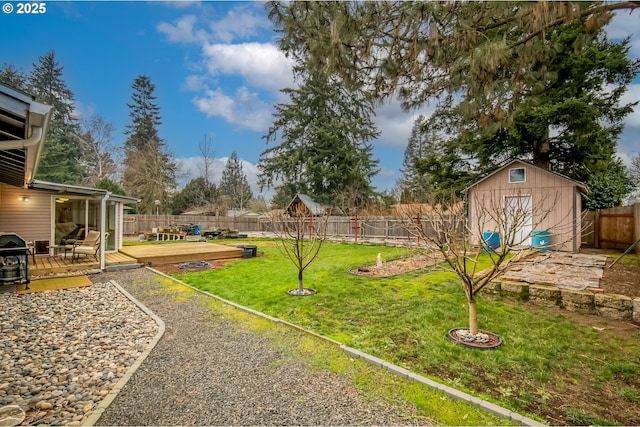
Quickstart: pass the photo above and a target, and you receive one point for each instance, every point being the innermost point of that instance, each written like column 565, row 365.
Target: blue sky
column 216, row 70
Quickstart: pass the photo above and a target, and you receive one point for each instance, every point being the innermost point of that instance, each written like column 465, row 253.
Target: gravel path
column 208, row 370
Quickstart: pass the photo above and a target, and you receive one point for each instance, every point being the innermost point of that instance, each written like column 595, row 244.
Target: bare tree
column 300, row 237
column 208, row 157
column 445, row 229
column 99, row 156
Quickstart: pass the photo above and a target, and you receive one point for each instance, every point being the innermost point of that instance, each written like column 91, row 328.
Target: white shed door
column 518, row 220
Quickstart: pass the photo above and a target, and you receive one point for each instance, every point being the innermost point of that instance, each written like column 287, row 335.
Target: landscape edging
column 397, row 370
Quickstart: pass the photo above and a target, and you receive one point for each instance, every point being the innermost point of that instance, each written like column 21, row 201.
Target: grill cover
column 11, row 241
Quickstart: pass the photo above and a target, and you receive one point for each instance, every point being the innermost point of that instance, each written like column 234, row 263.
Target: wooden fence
column 615, row 228
column 349, row 228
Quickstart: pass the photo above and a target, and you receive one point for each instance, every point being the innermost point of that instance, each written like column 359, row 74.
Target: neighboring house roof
column 83, row 191
column 23, row 130
column 580, row 185
column 314, row 207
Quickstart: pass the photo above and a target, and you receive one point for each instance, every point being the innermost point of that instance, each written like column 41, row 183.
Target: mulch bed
column 398, row 266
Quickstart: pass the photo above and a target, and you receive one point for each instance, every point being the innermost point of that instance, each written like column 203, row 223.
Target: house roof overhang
column 580, row 186
column 23, row 130
column 80, row 191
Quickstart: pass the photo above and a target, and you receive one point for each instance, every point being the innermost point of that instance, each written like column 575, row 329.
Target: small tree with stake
column 460, row 240
column 300, row 236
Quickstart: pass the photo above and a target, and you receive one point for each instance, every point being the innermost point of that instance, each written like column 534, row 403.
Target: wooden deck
column 180, row 252
column 46, row 265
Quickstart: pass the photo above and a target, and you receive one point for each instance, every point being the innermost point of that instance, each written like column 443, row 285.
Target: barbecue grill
column 14, row 259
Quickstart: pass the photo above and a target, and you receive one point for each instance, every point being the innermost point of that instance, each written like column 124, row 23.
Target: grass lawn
column 551, row 364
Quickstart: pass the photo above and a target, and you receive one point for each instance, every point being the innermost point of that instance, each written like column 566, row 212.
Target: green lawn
column 546, row 357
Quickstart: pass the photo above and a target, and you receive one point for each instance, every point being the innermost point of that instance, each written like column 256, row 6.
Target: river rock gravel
column 63, row 351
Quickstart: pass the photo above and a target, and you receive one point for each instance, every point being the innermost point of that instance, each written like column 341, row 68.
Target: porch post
column 103, row 226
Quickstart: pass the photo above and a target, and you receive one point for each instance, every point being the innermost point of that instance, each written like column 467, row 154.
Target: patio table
column 58, row 248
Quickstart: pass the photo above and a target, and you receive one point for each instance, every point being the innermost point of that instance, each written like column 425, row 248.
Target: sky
column 217, row 74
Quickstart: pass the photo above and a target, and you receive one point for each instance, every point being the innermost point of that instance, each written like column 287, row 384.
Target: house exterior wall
column 30, row 220
column 555, row 204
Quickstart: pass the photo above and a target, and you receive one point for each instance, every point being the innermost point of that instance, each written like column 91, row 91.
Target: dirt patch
column 398, row 266
column 175, row 268
column 623, row 278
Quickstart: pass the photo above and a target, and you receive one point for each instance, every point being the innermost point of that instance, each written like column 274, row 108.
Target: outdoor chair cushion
column 89, row 246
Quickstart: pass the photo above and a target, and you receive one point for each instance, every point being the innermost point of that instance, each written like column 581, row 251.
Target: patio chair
column 89, row 246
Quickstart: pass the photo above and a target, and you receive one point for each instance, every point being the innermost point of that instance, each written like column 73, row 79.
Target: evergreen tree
column 415, row 184
column 609, row 188
column 324, row 133
column 569, row 123
column 149, row 170
column 234, row 184
column 10, row 76
column 196, row 194
column 61, row 154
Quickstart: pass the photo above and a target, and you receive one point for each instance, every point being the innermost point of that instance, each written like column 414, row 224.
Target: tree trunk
column 473, row 317
column 300, row 285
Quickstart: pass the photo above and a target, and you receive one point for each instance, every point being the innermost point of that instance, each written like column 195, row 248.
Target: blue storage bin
column 541, row 239
column 491, row 240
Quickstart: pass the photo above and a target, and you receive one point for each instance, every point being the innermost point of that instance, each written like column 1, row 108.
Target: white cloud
column 240, row 22
column 262, row 65
column 632, row 95
column 245, row 109
column 183, row 31
column 623, row 25
column 192, row 168
column 395, row 124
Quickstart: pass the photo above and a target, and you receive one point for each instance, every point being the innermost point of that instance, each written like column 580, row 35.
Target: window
column 517, row 175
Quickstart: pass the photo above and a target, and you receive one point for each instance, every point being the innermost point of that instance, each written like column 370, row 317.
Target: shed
column 548, row 203
column 305, row 204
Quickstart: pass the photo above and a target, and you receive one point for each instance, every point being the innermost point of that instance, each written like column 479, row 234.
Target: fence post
column 636, row 224
column 418, row 228
column 596, row 229
column 356, row 227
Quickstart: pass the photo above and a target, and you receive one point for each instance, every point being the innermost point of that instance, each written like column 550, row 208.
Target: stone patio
column 561, row 269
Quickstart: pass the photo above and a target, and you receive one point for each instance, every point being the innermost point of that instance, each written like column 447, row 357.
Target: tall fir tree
column 234, row 183
column 61, row 154
column 569, row 123
column 149, row 169
column 11, row 76
column 415, row 185
column 322, row 136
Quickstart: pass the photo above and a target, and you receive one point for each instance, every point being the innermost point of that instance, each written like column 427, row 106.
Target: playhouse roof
column 314, row 207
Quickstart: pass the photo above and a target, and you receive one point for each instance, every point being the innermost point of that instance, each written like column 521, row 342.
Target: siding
column 31, row 220
column 552, row 198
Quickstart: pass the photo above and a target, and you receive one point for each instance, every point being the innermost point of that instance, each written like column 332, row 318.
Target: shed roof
column 314, row 207
column 578, row 184
column 23, row 130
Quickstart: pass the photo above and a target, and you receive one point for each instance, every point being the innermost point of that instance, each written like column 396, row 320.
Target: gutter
column 38, row 121
column 13, row 144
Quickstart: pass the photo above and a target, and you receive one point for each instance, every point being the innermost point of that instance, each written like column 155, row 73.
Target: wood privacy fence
column 349, row 228
column 615, row 228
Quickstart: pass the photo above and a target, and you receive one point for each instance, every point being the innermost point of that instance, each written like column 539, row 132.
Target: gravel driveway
column 210, row 370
